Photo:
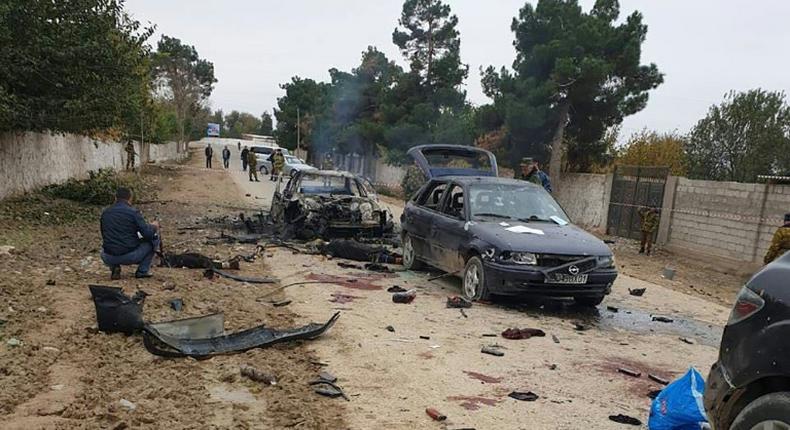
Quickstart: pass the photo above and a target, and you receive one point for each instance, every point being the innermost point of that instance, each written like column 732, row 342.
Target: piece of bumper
column 719, row 397
column 528, row 280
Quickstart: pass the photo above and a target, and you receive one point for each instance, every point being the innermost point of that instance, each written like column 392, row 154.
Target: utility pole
column 298, row 134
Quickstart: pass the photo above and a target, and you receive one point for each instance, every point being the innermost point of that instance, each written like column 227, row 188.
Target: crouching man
column 126, row 238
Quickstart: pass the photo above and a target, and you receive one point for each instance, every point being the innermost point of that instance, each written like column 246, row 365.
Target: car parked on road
column 503, row 236
column 262, row 154
column 749, row 386
column 322, row 203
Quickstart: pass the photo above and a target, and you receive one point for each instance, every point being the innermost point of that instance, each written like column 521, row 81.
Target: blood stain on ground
column 485, row 378
column 472, row 403
column 357, row 282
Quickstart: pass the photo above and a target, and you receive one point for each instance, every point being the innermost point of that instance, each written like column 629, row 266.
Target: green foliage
column 747, row 135
column 309, row 97
column 77, row 67
column 648, row 148
column 574, row 72
column 238, row 123
column 99, row 188
column 267, row 125
column 185, row 81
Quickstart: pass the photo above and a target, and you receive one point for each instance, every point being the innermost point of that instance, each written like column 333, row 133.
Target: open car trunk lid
column 453, row 160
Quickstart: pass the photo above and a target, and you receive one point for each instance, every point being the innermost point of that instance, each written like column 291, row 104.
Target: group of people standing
column 250, row 161
column 210, row 156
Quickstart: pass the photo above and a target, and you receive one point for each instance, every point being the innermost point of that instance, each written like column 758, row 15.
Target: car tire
column 760, row 414
column 410, row 259
column 473, row 283
column 589, row 301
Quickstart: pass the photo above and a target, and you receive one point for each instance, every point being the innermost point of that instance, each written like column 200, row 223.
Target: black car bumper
column 719, row 397
column 521, row 280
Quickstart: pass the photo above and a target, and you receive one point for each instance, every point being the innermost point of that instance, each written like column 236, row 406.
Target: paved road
column 392, row 376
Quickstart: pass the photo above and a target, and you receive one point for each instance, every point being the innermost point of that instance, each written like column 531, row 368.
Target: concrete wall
column 585, row 197
column 726, row 219
column 32, row 160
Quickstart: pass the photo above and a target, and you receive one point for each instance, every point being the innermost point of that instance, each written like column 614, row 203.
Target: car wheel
column 474, row 280
column 589, row 301
column 769, row 412
column 410, row 260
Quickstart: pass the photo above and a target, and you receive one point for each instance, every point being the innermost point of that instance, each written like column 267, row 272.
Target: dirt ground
column 68, row 375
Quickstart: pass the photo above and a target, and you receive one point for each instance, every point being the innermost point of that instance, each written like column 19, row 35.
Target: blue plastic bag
column 679, row 405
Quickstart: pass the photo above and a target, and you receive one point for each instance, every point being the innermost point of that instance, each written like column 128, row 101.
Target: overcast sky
column 704, row 47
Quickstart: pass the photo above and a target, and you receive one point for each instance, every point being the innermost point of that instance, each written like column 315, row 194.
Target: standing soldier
column 129, row 155
column 529, row 171
column 649, row 223
column 412, row 181
column 780, row 242
column 244, row 158
column 328, row 163
column 226, row 157
column 278, row 162
column 209, row 155
column 239, row 144
column 252, row 164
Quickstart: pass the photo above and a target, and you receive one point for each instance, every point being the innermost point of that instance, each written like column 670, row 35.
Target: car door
column 447, row 232
column 418, row 218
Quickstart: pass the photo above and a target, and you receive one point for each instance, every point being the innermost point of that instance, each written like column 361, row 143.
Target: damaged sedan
column 503, row 236
column 328, row 203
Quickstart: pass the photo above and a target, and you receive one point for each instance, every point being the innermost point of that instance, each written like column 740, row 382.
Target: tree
column 186, row 80
column 574, row 72
column 648, row 148
column 309, row 97
column 267, row 125
column 78, row 67
column 747, row 135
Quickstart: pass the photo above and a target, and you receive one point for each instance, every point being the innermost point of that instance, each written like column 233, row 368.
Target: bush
column 99, row 188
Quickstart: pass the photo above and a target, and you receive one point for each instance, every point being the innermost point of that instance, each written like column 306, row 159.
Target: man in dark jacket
column 226, row 157
column 244, row 157
column 209, row 155
column 126, row 237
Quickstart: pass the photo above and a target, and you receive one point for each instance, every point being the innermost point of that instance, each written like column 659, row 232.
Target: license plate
column 564, row 278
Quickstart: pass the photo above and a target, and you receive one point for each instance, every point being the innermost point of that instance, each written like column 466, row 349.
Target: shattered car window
column 478, row 161
column 330, row 185
column 513, row 201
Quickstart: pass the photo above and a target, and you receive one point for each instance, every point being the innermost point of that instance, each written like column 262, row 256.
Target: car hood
column 556, row 239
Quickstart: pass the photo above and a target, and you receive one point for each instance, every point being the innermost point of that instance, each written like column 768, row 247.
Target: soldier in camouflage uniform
column 252, row 164
column 649, row 223
column 328, row 163
column 780, row 242
column 278, row 162
column 412, row 181
column 129, row 155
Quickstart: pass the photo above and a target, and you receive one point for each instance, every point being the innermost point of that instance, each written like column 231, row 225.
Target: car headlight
column 605, row 261
column 520, row 258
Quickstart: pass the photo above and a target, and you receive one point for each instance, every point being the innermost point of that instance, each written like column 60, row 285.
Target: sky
column 705, row 48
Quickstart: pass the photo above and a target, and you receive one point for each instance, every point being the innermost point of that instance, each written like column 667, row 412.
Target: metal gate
column 634, row 187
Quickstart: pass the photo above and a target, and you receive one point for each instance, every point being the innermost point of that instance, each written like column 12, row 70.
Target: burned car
column 329, row 203
column 503, row 236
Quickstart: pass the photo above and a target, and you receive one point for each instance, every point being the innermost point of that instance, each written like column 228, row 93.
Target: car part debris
column 258, row 375
column 354, row 250
column 492, row 350
column 209, row 274
column 612, row 309
column 638, row 292
column 629, row 372
column 176, row 304
column 349, row 265
column 425, row 337
column 435, row 415
column 687, row 340
column 395, row 289
column 191, row 337
column 328, row 389
column 625, row 419
column 458, row 302
column 490, row 335
column 522, row 333
column 555, row 338
column 326, row 376
column 406, row 297
column 243, row 239
column 656, row 378
column 390, row 328
column 663, row 319
column 528, row 396
column 192, row 260
column 281, row 303
column 117, row 312
column 578, row 326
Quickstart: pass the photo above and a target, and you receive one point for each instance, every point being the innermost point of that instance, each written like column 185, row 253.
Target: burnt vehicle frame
column 331, row 204
column 749, row 385
column 494, row 254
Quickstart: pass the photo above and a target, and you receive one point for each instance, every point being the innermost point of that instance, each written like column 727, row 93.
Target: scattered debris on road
column 435, row 415
column 209, row 274
column 625, row 419
column 258, row 375
column 629, row 372
column 663, row 319
column 687, row 340
column 176, row 304
column 522, row 333
column 580, row 326
column 492, row 350
column 406, row 297
column 390, row 329
column 638, row 292
column 458, row 302
column 527, row 396
column 325, row 386
column 281, row 303
column 555, row 338
column 396, row 289
column 658, row 379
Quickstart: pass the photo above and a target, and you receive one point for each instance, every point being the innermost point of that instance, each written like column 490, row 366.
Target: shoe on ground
column 139, row 275
column 115, row 273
